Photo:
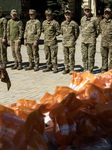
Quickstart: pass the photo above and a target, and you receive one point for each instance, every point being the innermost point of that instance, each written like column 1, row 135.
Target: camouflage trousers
column 69, row 57
column 16, row 51
column 33, row 53
column 106, row 52
column 51, row 55
column 3, row 52
column 88, row 55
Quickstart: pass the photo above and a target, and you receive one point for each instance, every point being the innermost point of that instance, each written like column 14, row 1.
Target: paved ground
column 33, row 85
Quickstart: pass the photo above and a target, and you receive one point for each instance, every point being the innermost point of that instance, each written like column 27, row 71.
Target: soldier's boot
column 36, row 68
column 15, row 66
column 20, row 66
column 30, row 67
column 65, row 71
column 104, row 70
column 71, row 70
column 55, row 69
column 47, row 69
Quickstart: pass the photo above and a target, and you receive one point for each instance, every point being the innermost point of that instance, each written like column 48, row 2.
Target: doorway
column 78, row 10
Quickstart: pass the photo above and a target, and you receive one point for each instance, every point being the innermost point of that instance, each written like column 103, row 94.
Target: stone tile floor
column 33, row 85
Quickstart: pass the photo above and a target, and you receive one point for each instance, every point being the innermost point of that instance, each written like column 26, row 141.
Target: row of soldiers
column 12, row 33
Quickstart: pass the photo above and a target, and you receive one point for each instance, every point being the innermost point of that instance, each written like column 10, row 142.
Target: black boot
column 30, row 67
column 65, row 71
column 36, row 68
column 47, row 69
column 15, row 66
column 20, row 66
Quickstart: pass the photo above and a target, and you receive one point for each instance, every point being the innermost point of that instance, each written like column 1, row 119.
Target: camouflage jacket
column 32, row 31
column 14, row 29
column 70, row 32
column 51, row 30
column 90, row 28
column 106, row 32
column 3, row 28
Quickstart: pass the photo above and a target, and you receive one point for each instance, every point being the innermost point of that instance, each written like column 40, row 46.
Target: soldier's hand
column 35, row 44
column 3, row 40
column 8, row 42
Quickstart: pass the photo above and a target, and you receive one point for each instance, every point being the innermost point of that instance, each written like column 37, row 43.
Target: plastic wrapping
column 10, row 125
column 94, row 144
column 69, row 119
column 3, row 110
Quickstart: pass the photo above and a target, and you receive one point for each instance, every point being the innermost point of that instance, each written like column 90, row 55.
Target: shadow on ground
column 96, row 70
column 42, row 66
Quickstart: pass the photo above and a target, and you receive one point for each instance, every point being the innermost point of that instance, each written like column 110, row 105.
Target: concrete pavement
column 33, row 85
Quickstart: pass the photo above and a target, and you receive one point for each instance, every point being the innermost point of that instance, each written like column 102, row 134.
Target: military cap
column 49, row 12
column 107, row 9
column 87, row 7
column 13, row 11
column 68, row 11
column 32, row 11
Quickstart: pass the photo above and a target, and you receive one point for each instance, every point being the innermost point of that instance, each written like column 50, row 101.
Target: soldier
column 106, row 40
column 14, row 36
column 31, row 38
column 70, row 32
column 3, row 39
column 90, row 28
column 50, row 27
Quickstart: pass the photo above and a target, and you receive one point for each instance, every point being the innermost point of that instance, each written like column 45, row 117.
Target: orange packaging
column 4, row 109
column 104, row 114
column 27, row 103
column 61, row 93
column 30, row 135
column 61, row 127
column 48, row 101
column 108, row 94
column 35, row 120
column 23, row 112
column 76, row 78
column 94, row 93
column 87, row 78
column 10, row 125
column 33, row 142
column 71, row 103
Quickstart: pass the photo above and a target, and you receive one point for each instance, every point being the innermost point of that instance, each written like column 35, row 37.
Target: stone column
column 93, row 7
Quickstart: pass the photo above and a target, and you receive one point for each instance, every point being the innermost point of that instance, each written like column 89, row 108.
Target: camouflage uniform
column 15, row 33
column 3, row 35
column 106, row 43
column 4, row 76
column 31, row 36
column 70, row 32
column 51, row 30
column 90, row 29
